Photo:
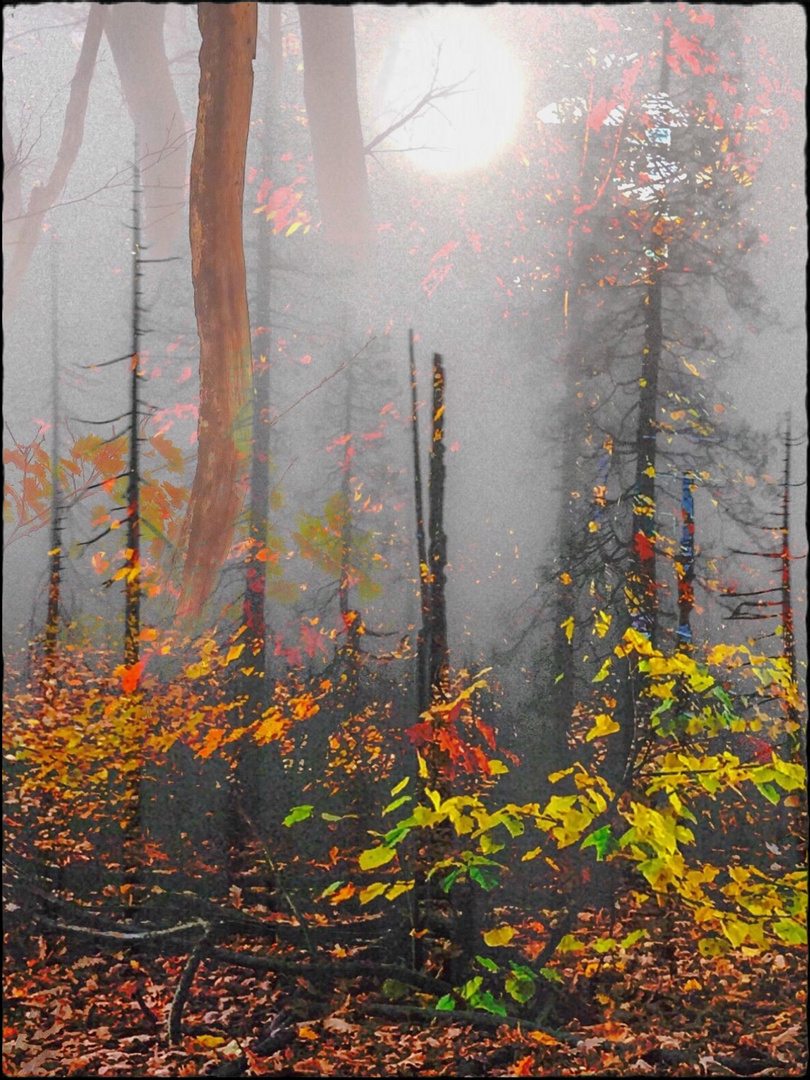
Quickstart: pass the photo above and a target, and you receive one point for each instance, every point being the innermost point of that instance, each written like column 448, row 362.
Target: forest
column 404, row 540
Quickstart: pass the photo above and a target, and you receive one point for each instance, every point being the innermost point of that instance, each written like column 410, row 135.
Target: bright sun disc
column 453, row 51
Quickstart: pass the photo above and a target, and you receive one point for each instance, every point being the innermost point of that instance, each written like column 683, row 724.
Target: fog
column 464, row 254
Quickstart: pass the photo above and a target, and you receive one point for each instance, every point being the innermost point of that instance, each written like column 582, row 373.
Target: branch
column 125, row 936
column 350, row 969
column 184, row 986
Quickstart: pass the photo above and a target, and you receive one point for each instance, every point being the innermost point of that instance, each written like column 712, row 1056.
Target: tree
column 135, row 34
column 330, row 95
column 220, row 296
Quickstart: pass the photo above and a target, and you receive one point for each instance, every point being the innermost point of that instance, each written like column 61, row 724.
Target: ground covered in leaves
column 78, row 1007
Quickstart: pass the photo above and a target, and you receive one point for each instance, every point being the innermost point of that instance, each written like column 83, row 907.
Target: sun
column 470, row 88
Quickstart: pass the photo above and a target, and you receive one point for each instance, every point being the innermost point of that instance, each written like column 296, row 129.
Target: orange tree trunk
column 220, row 294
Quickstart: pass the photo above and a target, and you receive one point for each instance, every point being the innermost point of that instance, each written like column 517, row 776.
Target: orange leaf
column 524, row 1066
column 131, row 676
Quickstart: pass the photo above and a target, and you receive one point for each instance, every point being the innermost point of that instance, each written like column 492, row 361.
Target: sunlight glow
column 470, row 87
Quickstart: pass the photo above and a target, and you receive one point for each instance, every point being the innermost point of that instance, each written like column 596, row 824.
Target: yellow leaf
column 234, row 653
column 371, row 891
column 602, row 623
column 377, row 856
column 543, row 1037
column 604, row 725
column 209, row 1041
column 501, row 935
column 566, row 578
column 306, row 1032
column 423, row 770
column 692, row 984
column 398, row 889
column 497, row 768
column 568, row 626
column 295, row 225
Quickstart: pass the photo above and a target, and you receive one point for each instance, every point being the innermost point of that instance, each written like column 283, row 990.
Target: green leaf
column 551, row 974
column 331, row 889
column 400, row 786
column 395, row 990
column 485, row 878
column 446, row 1003
column 713, row 946
column 769, row 791
column 297, row 813
column 471, row 987
column 377, row 856
column 791, row 931
column 396, row 803
column 559, row 677
column 570, row 944
column 521, row 990
column 331, row 817
column 485, row 961
column 485, row 1000
column 602, row 840
column 603, row 945
column 631, row 938
column 449, row 880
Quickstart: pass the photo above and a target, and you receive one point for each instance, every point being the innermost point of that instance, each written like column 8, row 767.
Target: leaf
column 395, row 804
column 394, row 990
column 568, row 626
column 605, row 725
column 446, row 1003
column 485, row 878
column 501, row 935
column 602, row 840
column 377, row 856
column 209, row 1041
column 298, row 813
column 570, row 944
column 306, row 1032
column 370, row 892
column 485, row 961
column 791, row 931
column 400, row 786
column 485, row 1000
column 346, row 893
column 543, row 1037
column 398, row 889
column 497, row 768
column 423, row 769
column 553, row 976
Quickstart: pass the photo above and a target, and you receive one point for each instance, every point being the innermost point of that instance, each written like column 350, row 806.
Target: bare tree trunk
column 220, row 293
column 132, row 582
column 43, row 198
column 437, row 554
column 55, row 551
column 330, row 95
column 135, row 34
column 422, row 680
column 685, row 565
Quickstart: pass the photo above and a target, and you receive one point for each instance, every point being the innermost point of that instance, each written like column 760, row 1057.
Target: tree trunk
column 135, row 34
column 330, row 95
column 43, row 198
column 220, row 293
column 132, row 582
column 437, row 554
column 422, row 680
column 55, row 551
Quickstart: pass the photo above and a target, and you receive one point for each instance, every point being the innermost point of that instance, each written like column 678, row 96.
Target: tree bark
column 437, row 554
column 330, row 96
column 135, row 34
column 220, row 293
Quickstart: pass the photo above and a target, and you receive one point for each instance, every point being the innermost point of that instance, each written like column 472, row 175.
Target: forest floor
column 75, row 1007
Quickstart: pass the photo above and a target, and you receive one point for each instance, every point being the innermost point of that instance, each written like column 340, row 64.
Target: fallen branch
column 347, row 969
column 124, row 936
column 201, row 949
